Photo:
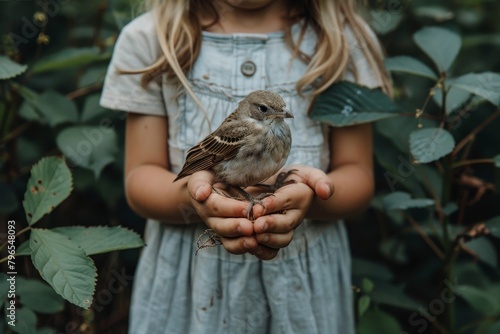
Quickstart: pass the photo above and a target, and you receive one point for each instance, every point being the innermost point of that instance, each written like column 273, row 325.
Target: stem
column 474, row 132
column 24, row 230
column 83, row 91
column 471, row 162
column 15, row 133
column 425, row 237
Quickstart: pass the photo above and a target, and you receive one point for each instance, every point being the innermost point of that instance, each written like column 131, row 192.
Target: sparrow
column 249, row 146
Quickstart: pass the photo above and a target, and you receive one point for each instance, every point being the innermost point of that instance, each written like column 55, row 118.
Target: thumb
column 200, row 185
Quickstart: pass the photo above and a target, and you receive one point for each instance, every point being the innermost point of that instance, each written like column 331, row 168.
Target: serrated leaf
column 400, row 200
column 441, row 45
column 91, row 108
column 101, row 239
column 479, row 299
column 430, row 144
column 345, row 103
column 64, row 265
column 56, row 108
column 50, row 184
column 23, row 249
column 485, row 85
column 363, row 305
column 90, row 147
column 493, row 225
column 485, row 250
column 455, row 98
column 69, row 58
column 38, row 296
column 409, row 65
column 10, row 69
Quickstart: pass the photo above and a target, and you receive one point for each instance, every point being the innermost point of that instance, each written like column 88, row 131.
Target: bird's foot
column 280, row 181
column 252, row 200
column 212, row 240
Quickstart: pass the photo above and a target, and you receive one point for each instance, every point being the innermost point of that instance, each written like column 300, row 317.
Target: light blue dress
column 307, row 287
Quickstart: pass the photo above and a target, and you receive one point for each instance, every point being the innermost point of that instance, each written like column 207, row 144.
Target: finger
column 274, row 240
column 231, row 227
column 200, row 185
column 264, row 253
column 221, row 206
column 283, row 199
column 278, row 223
column 318, row 181
column 239, row 245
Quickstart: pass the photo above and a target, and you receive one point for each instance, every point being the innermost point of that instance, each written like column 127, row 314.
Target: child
column 187, row 64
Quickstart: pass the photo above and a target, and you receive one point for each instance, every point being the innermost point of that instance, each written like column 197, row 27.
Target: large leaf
column 401, row 201
column 50, row 183
column 493, row 225
column 484, row 250
column 455, row 98
column 346, row 103
column 376, row 321
column 38, row 296
column 430, row 144
column 56, row 108
column 69, row 58
column 485, row 85
column 101, row 239
column 91, row 108
column 409, row 65
column 10, row 69
column 441, row 45
column 481, row 300
column 91, row 147
column 64, row 265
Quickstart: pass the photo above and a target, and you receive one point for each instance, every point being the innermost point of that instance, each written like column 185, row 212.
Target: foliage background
column 67, row 45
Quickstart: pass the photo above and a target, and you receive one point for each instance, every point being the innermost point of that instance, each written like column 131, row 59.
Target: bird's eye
column 263, row 108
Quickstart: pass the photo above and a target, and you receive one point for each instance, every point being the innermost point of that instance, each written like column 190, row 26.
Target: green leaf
column 50, row 183
column 64, row 265
column 10, row 69
column 485, row 85
column 400, row 200
column 436, row 13
column 409, row 65
column 56, row 108
column 394, row 249
column 450, row 208
column 101, row 239
column 69, row 58
column 441, row 45
column 363, row 305
column 23, row 249
column 455, row 98
column 376, row 321
column 8, row 199
column 90, row 147
column 481, row 300
column 493, row 328
column 29, row 113
column 493, row 225
column 345, row 103
column 365, row 268
column 496, row 159
column 382, row 22
column 485, row 250
column 430, row 144
column 25, row 321
column 388, row 294
column 91, row 108
column 38, row 296
column 367, row 285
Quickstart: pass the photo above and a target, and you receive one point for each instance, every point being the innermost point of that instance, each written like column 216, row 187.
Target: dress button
column 248, row 68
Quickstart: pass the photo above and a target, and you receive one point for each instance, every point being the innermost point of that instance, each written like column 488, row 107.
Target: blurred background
column 410, row 275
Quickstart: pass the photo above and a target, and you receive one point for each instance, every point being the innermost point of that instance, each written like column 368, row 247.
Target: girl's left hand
column 282, row 213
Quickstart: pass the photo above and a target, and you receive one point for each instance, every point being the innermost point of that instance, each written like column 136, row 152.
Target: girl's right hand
column 225, row 216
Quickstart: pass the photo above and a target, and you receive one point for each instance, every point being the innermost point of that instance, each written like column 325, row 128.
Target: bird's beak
column 286, row 114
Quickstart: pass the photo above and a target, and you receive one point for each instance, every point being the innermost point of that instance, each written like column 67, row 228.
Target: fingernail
column 327, row 189
column 198, row 192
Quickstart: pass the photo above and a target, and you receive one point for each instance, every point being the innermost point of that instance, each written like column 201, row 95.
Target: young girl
column 179, row 70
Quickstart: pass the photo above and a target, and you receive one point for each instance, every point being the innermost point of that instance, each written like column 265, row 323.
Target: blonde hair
column 179, row 35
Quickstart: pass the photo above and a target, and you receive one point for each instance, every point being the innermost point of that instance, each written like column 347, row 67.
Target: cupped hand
column 283, row 212
column 225, row 216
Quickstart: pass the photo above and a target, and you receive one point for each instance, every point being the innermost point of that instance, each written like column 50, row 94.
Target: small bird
column 250, row 145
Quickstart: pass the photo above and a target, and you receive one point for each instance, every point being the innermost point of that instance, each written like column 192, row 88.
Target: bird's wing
column 209, row 152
